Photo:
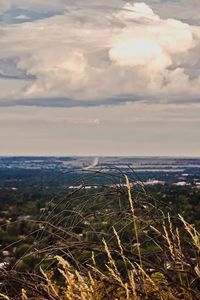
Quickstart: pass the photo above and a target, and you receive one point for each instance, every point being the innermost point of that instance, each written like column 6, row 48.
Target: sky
column 100, row 77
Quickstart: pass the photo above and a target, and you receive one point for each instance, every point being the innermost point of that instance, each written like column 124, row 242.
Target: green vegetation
column 121, row 242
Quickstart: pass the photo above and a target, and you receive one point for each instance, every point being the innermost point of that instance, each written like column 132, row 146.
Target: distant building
column 181, row 183
column 154, row 182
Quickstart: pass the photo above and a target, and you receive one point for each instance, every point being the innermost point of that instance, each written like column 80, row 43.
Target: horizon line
column 103, row 156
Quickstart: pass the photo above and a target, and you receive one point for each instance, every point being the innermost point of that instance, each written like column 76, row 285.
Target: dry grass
column 174, row 275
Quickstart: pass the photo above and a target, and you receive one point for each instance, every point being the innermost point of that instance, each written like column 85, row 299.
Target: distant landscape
column 68, row 171
column 114, row 213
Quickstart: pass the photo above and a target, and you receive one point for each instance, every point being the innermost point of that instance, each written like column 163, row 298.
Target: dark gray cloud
column 59, row 102
column 66, row 102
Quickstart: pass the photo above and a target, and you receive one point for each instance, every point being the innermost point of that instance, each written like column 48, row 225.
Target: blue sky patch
column 18, row 16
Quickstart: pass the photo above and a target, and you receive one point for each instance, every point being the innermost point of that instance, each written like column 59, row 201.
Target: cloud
column 179, row 9
column 9, row 70
column 4, row 5
column 136, row 11
column 22, row 17
column 136, row 55
column 36, row 5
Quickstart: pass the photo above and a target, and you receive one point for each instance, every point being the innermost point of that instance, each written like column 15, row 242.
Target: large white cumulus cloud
column 132, row 52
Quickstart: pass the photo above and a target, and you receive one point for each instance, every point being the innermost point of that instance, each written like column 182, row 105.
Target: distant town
column 15, row 171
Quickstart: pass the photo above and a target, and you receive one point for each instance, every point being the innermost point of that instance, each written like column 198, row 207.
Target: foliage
column 120, row 242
